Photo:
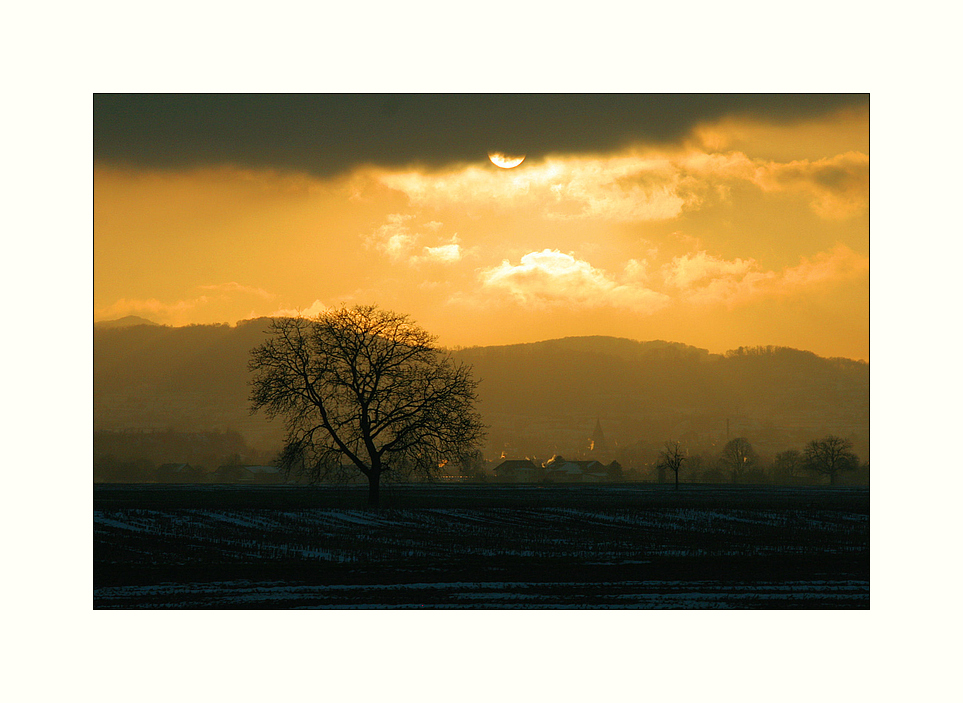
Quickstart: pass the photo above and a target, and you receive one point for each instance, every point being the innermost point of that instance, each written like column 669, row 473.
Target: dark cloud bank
column 328, row 134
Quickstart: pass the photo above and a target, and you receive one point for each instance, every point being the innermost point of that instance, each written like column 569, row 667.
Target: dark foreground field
column 629, row 546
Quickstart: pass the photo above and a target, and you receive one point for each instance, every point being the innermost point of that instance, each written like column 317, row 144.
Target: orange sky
column 743, row 232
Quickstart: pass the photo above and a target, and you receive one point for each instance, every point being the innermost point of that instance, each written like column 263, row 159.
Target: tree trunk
column 374, row 484
column 676, row 479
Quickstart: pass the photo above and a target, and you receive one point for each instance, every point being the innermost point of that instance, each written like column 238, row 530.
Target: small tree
column 364, row 390
column 671, row 457
column 830, row 456
column 739, row 457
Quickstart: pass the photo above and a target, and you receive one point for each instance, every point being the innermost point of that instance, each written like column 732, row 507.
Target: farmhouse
column 560, row 470
column 516, row 471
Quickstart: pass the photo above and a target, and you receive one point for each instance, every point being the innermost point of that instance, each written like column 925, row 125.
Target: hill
column 129, row 321
column 538, row 399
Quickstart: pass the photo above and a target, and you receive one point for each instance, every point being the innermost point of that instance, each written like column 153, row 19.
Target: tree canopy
column 739, row 457
column 830, row 456
column 364, row 390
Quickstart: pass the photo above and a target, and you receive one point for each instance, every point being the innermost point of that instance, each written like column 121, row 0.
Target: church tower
column 597, row 443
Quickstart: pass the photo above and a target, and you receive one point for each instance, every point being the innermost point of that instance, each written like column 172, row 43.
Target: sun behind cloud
column 503, row 160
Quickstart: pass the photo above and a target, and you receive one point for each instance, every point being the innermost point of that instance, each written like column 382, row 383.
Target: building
column 517, row 471
column 560, row 470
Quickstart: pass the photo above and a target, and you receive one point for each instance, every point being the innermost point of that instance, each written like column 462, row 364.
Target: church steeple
column 597, row 442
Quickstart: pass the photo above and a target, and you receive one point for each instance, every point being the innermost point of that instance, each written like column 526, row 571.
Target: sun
column 505, row 160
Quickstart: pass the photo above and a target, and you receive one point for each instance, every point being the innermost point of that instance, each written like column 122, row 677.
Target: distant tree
column 739, row 458
column 830, row 456
column 473, row 465
column 364, row 390
column 788, row 463
column 671, row 458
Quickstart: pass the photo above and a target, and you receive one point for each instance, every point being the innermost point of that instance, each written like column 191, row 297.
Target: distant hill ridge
column 582, row 343
column 128, row 321
column 538, row 396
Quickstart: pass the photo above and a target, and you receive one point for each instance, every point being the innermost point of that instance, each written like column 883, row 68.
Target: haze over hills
column 538, row 399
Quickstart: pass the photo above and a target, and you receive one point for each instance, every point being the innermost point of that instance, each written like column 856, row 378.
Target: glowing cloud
column 705, row 279
column 632, row 188
column 690, row 269
column 446, row 253
column 640, row 186
column 313, row 310
column 394, row 238
column 550, row 277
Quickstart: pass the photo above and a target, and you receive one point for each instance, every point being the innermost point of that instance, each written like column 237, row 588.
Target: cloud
column 313, row 310
column 703, row 279
column 550, row 277
column 637, row 186
column 394, row 238
column 398, row 242
column 638, row 270
column 838, row 264
column 690, row 269
column 838, row 186
column 446, row 253
column 330, row 134
column 620, row 188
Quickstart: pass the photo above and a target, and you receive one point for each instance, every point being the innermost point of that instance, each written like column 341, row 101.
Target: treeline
column 150, row 456
column 827, row 460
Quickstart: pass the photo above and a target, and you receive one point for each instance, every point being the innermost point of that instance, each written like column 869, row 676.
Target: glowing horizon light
column 505, row 160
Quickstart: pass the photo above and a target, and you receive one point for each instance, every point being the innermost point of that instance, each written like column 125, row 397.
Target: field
column 624, row 546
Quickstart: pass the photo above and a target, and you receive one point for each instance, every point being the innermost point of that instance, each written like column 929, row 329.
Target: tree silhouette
column 739, row 457
column 364, row 390
column 671, row 457
column 829, row 456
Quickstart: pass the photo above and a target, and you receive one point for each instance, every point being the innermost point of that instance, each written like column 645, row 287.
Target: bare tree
column 364, row 390
column 739, row 457
column 671, row 458
column 829, row 456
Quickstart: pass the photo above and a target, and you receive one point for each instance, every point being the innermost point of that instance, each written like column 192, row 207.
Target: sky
column 714, row 220
column 511, row 46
